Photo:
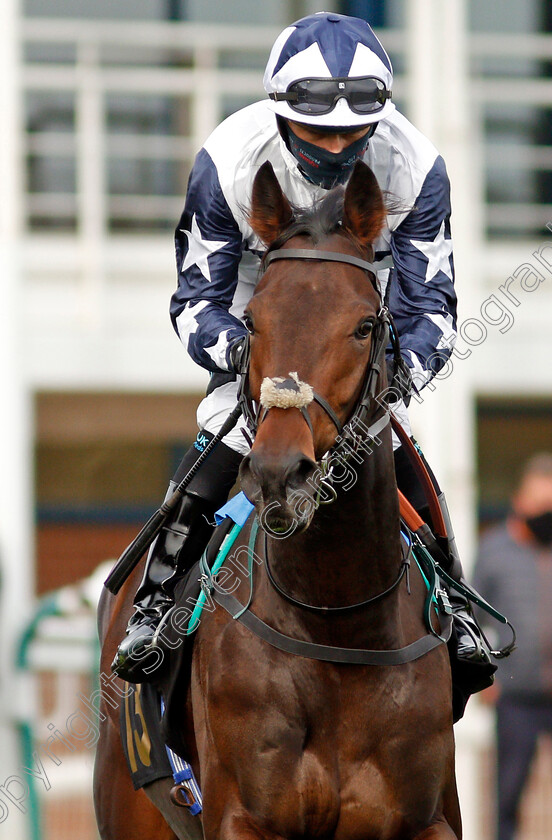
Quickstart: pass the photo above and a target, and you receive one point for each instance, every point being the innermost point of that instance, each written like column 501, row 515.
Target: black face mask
column 541, row 527
column 323, row 168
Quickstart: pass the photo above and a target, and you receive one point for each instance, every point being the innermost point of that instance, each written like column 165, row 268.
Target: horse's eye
column 248, row 322
column 364, row 328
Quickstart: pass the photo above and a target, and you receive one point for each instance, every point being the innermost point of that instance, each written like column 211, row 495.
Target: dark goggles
column 365, row 95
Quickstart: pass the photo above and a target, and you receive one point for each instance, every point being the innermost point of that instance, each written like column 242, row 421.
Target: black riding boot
column 470, row 645
column 177, row 547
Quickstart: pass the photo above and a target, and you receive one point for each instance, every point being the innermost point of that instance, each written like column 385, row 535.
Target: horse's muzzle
column 282, row 490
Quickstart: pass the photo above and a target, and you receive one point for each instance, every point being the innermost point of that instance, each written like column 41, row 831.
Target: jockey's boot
column 177, row 547
column 472, row 668
column 470, row 645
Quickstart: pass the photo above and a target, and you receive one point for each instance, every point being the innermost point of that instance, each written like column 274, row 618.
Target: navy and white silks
column 218, row 253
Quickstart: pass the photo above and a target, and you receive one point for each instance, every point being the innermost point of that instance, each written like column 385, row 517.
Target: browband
column 307, row 254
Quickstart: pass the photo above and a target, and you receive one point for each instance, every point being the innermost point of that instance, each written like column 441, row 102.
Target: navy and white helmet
column 329, row 70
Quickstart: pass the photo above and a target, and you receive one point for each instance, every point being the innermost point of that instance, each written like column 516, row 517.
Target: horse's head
column 311, row 324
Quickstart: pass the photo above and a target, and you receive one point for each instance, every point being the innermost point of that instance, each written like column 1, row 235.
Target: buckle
column 206, row 583
column 443, row 601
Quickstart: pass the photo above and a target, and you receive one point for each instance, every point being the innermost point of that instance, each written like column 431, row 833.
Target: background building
column 103, row 111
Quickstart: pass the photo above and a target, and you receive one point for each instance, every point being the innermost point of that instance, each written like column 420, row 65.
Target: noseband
column 353, row 433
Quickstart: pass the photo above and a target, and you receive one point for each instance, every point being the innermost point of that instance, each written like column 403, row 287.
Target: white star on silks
column 437, row 252
column 218, row 351
column 199, row 249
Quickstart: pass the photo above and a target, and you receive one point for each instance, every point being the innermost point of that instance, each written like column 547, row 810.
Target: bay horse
column 288, row 745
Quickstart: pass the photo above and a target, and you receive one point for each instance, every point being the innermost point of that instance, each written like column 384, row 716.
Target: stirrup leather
column 411, row 517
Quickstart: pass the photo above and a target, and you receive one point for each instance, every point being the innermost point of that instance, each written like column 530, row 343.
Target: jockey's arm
column 208, row 252
column 422, row 298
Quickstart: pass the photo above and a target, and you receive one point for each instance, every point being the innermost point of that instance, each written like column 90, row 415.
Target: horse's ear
column 363, row 207
column 270, row 212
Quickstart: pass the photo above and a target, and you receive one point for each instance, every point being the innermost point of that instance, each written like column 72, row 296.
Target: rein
column 329, row 653
column 404, row 570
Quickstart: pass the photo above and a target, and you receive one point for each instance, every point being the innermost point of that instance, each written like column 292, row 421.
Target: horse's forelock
column 316, row 222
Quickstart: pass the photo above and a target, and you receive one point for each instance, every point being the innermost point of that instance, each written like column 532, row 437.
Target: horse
column 298, row 742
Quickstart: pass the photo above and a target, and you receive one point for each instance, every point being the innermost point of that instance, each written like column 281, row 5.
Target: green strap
column 428, row 570
column 436, row 572
column 227, row 544
column 209, row 574
column 424, row 576
column 250, row 556
column 473, row 596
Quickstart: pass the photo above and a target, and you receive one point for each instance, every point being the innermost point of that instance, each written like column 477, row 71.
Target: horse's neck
column 352, row 549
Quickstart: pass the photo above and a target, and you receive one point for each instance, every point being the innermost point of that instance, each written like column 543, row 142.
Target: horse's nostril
column 274, row 476
column 300, row 472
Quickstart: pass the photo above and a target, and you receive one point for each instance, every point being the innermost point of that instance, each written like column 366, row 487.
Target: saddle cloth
column 143, row 742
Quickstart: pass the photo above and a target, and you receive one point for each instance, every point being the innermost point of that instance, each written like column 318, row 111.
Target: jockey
column 329, row 82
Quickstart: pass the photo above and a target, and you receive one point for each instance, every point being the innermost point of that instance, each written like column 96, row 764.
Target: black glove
column 238, row 354
column 399, row 380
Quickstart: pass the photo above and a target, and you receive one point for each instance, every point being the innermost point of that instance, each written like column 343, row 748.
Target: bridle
column 349, row 441
column 353, row 434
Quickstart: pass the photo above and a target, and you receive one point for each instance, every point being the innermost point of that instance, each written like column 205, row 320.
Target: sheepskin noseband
column 287, row 392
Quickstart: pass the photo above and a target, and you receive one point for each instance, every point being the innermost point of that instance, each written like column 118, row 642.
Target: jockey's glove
column 399, row 381
column 238, row 354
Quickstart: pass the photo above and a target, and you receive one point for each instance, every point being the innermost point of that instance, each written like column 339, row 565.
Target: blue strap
column 237, row 508
column 183, row 772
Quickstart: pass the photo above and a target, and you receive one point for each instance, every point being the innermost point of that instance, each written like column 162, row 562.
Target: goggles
column 364, row 94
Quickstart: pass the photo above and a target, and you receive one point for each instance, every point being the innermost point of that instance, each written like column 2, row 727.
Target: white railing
column 517, row 92
column 180, row 62
column 201, row 73
column 197, row 74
